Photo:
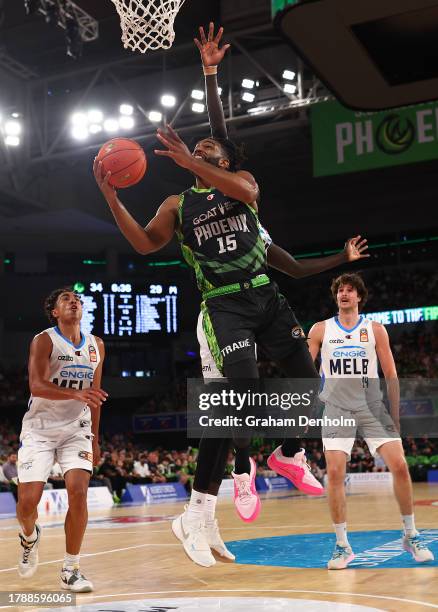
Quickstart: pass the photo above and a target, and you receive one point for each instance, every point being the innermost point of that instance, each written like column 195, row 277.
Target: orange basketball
column 125, row 159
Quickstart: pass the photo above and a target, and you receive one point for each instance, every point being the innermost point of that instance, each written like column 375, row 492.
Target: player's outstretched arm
column 159, row 230
column 211, row 57
column 355, row 248
column 39, row 382
column 239, row 185
column 387, row 363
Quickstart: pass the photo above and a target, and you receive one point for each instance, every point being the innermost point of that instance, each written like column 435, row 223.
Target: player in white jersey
column 62, row 424
column 351, row 347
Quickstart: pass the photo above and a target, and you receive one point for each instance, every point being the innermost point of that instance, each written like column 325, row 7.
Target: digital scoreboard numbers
column 129, row 310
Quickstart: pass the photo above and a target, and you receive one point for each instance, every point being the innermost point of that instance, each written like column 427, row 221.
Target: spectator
column 10, row 467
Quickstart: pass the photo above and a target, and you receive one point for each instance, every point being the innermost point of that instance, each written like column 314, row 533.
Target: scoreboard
column 128, row 310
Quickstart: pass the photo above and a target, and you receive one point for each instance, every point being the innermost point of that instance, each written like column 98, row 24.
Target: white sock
column 31, row 537
column 210, row 508
column 196, row 507
column 71, row 561
column 341, row 533
column 409, row 524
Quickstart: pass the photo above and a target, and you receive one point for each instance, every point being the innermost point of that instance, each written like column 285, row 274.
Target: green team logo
column 395, row 134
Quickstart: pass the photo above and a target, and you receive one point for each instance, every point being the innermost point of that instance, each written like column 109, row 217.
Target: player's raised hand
column 211, row 54
column 102, row 180
column 176, row 148
column 355, row 248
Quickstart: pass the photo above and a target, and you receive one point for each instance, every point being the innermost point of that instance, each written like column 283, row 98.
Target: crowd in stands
column 124, row 460
column 388, row 289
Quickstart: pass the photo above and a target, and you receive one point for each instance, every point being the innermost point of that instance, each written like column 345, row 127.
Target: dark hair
column 235, row 153
column 50, row 303
column 356, row 281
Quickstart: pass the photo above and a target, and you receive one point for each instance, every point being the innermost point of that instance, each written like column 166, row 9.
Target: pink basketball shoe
column 296, row 470
column 246, row 498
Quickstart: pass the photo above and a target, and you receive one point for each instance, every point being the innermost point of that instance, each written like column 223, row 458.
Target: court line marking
column 96, row 554
column 251, row 590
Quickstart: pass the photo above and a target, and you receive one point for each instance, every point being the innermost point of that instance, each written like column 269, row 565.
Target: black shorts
column 235, row 323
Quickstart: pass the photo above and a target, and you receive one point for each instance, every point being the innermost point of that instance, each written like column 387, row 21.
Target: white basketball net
column 147, row 24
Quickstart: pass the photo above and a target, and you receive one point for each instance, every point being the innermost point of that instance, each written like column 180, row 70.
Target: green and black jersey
column 220, row 238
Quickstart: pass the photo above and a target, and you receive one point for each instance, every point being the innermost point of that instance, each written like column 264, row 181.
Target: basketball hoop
column 147, row 24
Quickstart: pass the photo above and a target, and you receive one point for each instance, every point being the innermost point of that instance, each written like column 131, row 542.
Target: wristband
column 208, row 70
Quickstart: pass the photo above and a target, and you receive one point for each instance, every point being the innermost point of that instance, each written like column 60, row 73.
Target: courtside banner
column 158, row 492
column 350, row 141
column 55, row 501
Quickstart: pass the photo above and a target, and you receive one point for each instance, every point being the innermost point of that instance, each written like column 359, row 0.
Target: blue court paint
column 373, row 549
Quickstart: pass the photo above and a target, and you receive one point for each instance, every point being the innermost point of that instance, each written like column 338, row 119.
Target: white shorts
column 209, row 367
column 373, row 424
column 71, row 446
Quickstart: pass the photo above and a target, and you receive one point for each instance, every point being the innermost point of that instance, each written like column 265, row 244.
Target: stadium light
column 12, row 128
column 126, row 122
column 111, row 125
column 155, row 116
column 126, row 109
column 168, row 100
column 95, row 115
column 79, row 119
column 94, row 128
column 289, row 75
column 197, row 107
column 289, row 88
column 12, row 141
column 248, row 83
column 254, row 110
column 197, row 94
column 80, row 132
column 248, row 96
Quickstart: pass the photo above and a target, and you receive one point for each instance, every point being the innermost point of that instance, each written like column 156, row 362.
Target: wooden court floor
column 138, row 557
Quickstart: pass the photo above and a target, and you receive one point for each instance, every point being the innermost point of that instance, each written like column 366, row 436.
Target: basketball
column 125, row 159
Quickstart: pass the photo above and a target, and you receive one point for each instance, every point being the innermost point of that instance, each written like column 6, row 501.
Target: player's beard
column 211, row 159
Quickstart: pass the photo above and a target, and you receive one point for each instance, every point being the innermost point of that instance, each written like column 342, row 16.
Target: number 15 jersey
column 220, row 238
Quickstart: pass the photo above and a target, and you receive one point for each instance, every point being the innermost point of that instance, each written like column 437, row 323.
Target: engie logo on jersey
column 92, row 353
column 364, row 335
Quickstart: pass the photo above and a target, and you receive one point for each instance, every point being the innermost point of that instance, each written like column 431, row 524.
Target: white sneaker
column 417, row 548
column 73, row 580
column 193, row 538
column 28, row 560
column 215, row 541
column 342, row 556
